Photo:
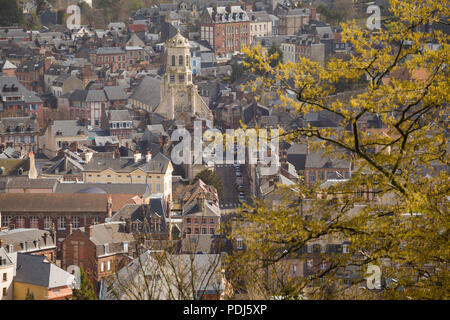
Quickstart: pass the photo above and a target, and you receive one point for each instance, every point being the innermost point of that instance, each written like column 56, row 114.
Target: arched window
column 173, row 60
column 181, row 60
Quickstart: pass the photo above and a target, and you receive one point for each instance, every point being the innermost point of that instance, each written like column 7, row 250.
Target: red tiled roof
column 137, row 27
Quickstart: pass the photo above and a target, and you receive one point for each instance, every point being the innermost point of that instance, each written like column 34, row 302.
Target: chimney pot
column 137, row 157
column 89, row 231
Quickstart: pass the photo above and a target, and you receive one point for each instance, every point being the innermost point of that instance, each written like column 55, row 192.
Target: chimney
column 88, row 156
column 201, row 201
column 53, row 231
column 69, row 229
column 128, row 225
column 137, row 156
column 47, row 63
column 32, row 173
column 148, row 156
column 110, row 204
column 89, row 231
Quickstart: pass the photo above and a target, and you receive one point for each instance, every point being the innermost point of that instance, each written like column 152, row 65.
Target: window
column 321, row 175
column 203, row 230
column 34, row 222
column 109, row 265
column 330, row 175
column 203, row 221
column 158, row 187
column 188, row 231
column 6, row 221
column 125, row 246
column 5, row 276
column 173, row 60
column 47, row 222
column 294, row 269
column 61, row 223
column 4, row 292
column 312, row 176
column 345, row 248
column 172, row 78
column 188, row 220
column 102, row 267
column 197, row 231
column 181, row 78
column 20, row 222
column 239, row 243
column 211, row 230
column 310, row 263
column 76, row 222
column 211, row 220
column 180, row 60
column 96, row 220
column 309, row 248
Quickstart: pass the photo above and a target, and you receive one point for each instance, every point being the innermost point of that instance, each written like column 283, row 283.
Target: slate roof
column 109, row 232
column 33, row 269
column 109, row 188
column 157, row 164
column 27, row 235
column 68, row 128
column 28, row 124
column 209, row 210
column 27, row 183
column 29, row 96
column 148, row 92
column 53, row 202
column 320, row 160
column 110, row 50
column 120, row 115
column 115, row 93
column 8, row 65
column 88, row 96
column 10, row 167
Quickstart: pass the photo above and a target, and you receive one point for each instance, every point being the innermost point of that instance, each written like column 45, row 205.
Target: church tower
column 179, row 95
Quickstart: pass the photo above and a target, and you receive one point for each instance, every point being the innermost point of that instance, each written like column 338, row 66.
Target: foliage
column 29, row 295
column 33, row 22
column 86, row 291
column 10, row 14
column 237, row 70
column 403, row 165
column 277, row 54
column 210, row 178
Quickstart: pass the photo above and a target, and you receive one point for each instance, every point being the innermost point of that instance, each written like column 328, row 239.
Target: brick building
column 20, row 133
column 111, row 56
column 31, row 75
column 53, row 211
column 99, row 249
column 227, row 29
column 17, row 101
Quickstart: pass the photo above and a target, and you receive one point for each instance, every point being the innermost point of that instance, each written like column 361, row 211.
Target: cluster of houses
column 86, row 116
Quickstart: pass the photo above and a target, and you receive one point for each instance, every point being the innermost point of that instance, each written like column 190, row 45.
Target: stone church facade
column 179, row 95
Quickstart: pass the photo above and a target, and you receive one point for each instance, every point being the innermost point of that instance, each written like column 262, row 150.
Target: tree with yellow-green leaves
column 393, row 209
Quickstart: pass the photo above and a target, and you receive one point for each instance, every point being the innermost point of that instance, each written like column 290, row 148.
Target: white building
column 6, row 275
